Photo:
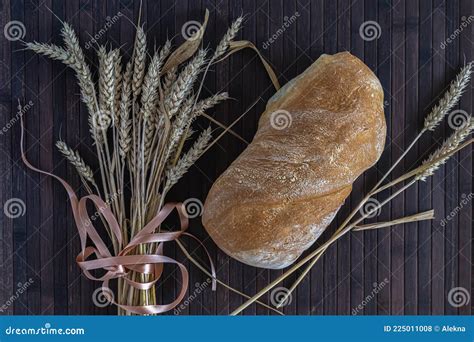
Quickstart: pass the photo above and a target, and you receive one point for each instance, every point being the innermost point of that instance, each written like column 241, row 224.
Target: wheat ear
column 228, row 37
column 139, row 61
column 188, row 159
column 450, row 98
column 52, row 51
column 448, row 145
column 183, row 85
column 210, row 102
column 75, row 159
column 125, row 128
column 106, row 79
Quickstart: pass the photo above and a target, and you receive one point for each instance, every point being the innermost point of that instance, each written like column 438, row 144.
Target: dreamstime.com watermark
column 97, row 213
column 14, row 30
column 458, row 296
column 370, row 30
column 190, row 30
column 14, row 208
column 21, row 288
column 464, row 201
column 193, row 207
column 200, row 287
column 109, row 22
column 17, row 117
column 287, row 22
column 46, row 330
column 281, row 296
column 281, row 119
column 465, row 22
column 102, row 297
column 376, row 289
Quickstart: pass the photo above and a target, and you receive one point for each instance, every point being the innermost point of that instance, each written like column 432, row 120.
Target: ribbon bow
column 119, row 266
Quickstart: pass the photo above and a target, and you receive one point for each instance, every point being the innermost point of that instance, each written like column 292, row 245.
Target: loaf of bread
column 316, row 136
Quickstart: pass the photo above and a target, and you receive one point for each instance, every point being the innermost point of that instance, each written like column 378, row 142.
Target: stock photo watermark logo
column 458, row 119
column 281, row 296
column 370, row 30
column 190, row 30
column 287, row 22
column 377, row 287
column 101, row 120
column 371, row 208
column 280, row 119
column 96, row 215
column 465, row 199
column 465, row 22
column 193, row 207
column 14, row 208
column 20, row 289
column 199, row 288
column 14, row 30
column 458, row 296
column 109, row 22
column 102, row 297
column 47, row 329
column 17, row 117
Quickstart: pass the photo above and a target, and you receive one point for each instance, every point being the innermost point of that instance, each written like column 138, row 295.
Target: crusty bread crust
column 280, row 194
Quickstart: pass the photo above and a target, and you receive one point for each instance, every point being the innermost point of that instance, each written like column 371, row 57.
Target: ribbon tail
column 72, row 195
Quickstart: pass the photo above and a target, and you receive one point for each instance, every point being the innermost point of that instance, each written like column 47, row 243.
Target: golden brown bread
column 316, row 136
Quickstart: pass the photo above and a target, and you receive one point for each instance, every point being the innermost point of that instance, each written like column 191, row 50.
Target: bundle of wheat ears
column 140, row 119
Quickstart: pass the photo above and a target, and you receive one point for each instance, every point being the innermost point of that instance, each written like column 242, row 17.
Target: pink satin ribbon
column 119, row 266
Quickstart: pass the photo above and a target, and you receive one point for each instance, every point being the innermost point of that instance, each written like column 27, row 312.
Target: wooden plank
column 6, row 108
column 33, row 198
column 398, row 143
column 424, row 188
column 413, row 124
column 465, row 171
column 437, row 284
column 384, row 52
column 45, row 103
column 61, row 207
column 87, row 29
column 72, row 136
column 452, row 195
column 19, row 179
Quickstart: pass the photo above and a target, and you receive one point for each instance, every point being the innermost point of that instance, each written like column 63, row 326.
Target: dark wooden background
column 422, row 262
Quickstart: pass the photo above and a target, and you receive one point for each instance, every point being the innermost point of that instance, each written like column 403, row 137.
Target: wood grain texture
column 418, row 264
